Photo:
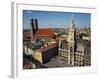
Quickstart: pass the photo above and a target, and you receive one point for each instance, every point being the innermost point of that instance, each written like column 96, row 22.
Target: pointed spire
column 72, row 16
column 72, row 21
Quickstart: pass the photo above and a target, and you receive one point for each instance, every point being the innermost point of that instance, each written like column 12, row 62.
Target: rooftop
column 44, row 32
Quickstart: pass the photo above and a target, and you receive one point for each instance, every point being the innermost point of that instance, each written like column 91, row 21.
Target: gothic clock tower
column 71, row 42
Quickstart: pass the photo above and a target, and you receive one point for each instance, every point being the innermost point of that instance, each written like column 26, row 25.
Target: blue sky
column 48, row 19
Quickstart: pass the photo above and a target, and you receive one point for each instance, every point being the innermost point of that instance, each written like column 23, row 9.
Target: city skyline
column 59, row 47
column 49, row 19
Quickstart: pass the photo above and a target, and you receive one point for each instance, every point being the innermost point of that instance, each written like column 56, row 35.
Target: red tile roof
column 44, row 32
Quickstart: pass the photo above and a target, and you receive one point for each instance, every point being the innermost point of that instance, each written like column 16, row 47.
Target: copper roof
column 44, row 32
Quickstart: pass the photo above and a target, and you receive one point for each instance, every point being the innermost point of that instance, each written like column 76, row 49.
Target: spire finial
column 72, row 20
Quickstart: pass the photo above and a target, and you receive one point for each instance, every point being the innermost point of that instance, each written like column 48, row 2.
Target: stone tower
column 33, row 27
column 71, row 42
